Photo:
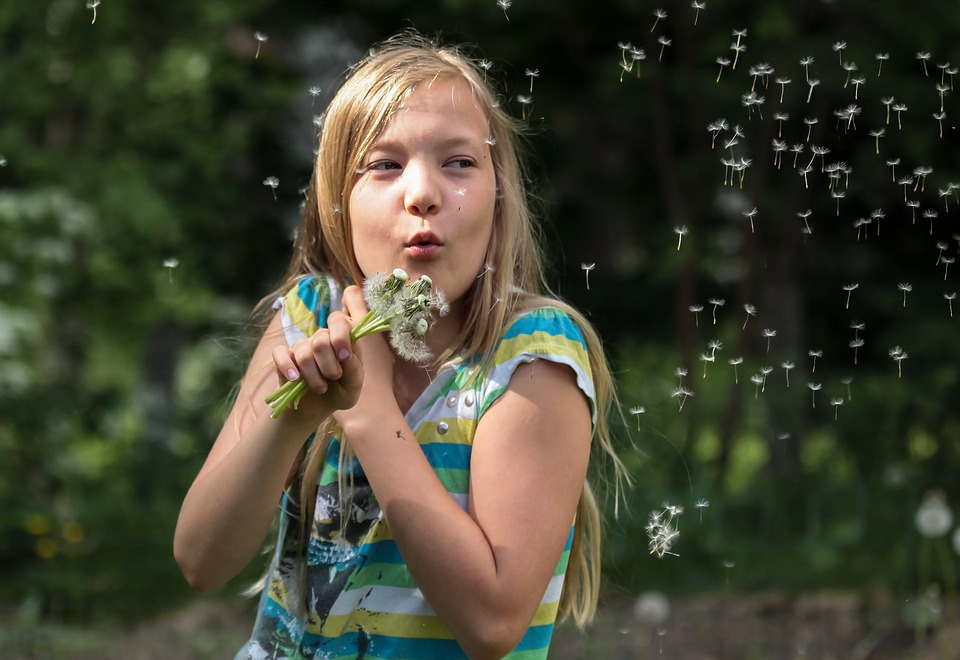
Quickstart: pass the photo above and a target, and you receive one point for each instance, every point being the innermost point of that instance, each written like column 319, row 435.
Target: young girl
column 436, row 510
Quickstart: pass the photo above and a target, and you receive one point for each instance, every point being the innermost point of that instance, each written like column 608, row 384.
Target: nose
column 422, row 192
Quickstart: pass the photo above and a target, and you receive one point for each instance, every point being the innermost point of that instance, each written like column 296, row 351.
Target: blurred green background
column 136, row 233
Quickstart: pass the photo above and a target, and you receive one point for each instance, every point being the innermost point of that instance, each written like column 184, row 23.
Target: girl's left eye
column 461, row 163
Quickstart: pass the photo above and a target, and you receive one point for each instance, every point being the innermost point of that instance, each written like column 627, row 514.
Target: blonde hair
column 514, row 281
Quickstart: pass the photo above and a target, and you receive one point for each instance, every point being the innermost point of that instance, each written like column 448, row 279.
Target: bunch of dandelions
column 662, row 529
column 405, row 310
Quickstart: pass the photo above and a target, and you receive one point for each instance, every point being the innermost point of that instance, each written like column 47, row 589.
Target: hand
column 378, row 362
column 329, row 365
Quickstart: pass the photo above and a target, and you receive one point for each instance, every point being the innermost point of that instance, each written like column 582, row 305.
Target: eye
column 460, row 163
column 383, row 166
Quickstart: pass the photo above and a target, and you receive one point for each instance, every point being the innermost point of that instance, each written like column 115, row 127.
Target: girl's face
column 425, row 194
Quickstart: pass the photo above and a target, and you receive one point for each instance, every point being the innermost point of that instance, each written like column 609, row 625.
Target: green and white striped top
column 360, row 600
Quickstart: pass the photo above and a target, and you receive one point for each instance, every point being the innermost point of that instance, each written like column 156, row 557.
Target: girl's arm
column 228, row 510
column 484, row 571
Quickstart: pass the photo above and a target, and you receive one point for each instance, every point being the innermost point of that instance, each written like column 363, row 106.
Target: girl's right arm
column 228, row 510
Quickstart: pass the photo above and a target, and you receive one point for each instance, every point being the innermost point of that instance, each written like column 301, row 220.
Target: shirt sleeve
column 542, row 334
column 305, row 307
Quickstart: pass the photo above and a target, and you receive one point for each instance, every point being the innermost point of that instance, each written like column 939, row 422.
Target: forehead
column 441, row 104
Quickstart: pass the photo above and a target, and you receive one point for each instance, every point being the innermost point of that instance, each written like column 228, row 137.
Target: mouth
column 423, row 240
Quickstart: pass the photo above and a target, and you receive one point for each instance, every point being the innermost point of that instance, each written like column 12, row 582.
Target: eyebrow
column 450, row 142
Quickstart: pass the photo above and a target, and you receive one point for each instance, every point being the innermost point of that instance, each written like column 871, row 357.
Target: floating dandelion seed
column 768, row 334
column 664, row 42
column 751, row 311
column 696, row 309
column 950, row 297
column 945, row 193
column 796, row 150
column 764, row 372
column 779, row 147
column 261, row 39
column 855, row 344
column 804, row 172
column 716, row 302
column 942, row 89
column 921, row 173
column 723, row 62
column 314, row 93
column 170, row 264
column 637, row 411
column 906, row 287
column 838, row 195
column 757, row 380
column 637, row 55
column 923, row 57
column 856, row 326
column 876, row 134
column 900, row 108
column 737, row 48
column 856, row 86
column 682, row 393
column 780, row 117
column 680, row 231
column 272, row 182
column 697, row 6
column 805, row 62
column 734, row 362
column 659, row 15
column 888, row 101
column 906, row 182
column 783, row 82
column 505, row 5
column 700, row 506
column 838, row 48
column 810, row 122
column 814, row 354
column 892, row 164
column 898, row 355
column 787, row 366
column 586, row 268
column 814, row 388
column 931, row 215
column 706, row 358
column 849, row 288
column 531, row 74
column 914, row 205
column 946, row 265
column 941, row 246
column 881, row 58
column 811, row 82
column 846, row 381
column 806, row 215
column 525, row 102
column 836, row 402
column 751, row 214
column 940, row 116
column 715, row 128
column 714, row 345
column 680, row 373
column 93, row 4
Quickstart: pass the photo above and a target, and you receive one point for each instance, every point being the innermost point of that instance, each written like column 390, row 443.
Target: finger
column 286, row 367
column 339, row 327
column 307, row 364
column 325, row 356
column 353, row 303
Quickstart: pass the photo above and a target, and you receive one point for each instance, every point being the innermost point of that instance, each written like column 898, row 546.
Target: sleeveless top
column 360, row 600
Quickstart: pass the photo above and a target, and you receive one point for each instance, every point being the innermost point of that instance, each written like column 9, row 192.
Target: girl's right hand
column 329, row 365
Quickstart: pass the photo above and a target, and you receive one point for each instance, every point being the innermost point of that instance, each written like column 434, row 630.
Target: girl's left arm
column 485, row 570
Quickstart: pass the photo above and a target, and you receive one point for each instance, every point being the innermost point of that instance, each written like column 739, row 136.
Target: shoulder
column 540, row 333
column 305, row 306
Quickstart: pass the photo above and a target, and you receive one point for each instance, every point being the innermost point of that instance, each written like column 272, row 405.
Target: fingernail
column 292, row 374
column 344, row 354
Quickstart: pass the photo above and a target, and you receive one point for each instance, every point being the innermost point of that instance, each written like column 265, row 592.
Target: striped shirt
column 359, row 598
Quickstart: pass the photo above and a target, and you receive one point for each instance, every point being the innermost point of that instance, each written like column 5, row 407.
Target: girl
column 436, row 510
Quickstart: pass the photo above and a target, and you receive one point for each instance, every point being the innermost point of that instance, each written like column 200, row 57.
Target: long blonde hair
column 514, row 281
